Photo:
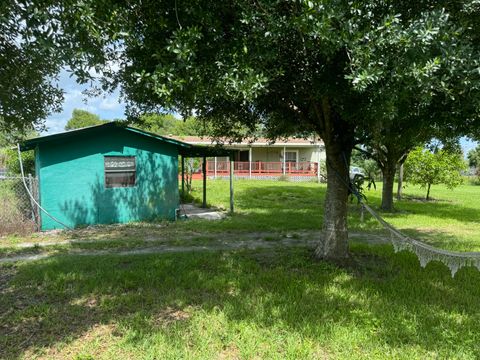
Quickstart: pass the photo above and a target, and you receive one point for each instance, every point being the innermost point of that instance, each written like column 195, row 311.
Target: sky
column 110, row 107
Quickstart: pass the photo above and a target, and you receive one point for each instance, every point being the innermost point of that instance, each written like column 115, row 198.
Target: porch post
column 284, row 169
column 250, row 162
column 231, row 184
column 204, row 168
column 215, row 171
column 183, row 175
column 318, row 164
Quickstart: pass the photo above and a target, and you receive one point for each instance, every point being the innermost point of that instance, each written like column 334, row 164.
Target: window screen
column 290, row 156
column 120, row 171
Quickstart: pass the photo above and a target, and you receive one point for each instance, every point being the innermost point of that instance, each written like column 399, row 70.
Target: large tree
column 296, row 67
column 328, row 67
column 446, row 111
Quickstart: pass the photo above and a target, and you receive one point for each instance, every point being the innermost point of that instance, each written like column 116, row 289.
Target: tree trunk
column 334, row 243
column 428, row 192
column 388, row 172
column 338, row 138
column 400, row 182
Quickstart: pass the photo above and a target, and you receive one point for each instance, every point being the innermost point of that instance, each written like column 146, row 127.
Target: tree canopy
column 426, row 168
column 333, row 68
column 330, row 68
column 167, row 124
column 473, row 157
column 82, row 118
column 37, row 40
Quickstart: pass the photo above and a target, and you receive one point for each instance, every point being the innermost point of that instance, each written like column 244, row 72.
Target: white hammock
column 426, row 253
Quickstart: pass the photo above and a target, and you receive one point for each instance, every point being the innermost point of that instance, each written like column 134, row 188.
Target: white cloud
column 106, row 106
column 110, row 103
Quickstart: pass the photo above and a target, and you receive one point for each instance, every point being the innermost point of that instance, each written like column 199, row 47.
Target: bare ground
column 156, row 244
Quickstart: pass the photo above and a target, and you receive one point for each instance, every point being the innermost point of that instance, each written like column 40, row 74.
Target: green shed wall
column 71, row 176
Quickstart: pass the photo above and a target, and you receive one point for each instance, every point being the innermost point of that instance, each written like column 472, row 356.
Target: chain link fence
column 18, row 213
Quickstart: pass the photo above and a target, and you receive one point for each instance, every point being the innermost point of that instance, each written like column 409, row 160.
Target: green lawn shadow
column 58, row 300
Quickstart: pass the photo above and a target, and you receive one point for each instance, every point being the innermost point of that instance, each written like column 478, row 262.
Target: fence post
column 30, row 188
column 250, row 163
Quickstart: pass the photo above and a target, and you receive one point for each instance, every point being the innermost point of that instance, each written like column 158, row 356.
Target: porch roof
column 259, row 142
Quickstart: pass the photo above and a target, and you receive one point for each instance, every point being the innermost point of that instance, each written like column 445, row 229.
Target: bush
column 13, row 166
column 15, row 209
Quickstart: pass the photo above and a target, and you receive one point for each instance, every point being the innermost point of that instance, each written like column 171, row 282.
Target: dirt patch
column 423, row 200
column 102, row 335
column 215, row 242
column 230, row 352
column 171, row 315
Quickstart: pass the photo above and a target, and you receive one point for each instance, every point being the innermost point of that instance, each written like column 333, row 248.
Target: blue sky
column 110, row 107
column 107, row 107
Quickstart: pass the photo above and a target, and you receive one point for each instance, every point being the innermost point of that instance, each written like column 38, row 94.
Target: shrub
column 15, row 210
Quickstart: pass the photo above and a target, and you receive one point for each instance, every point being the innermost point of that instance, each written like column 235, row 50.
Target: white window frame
column 291, row 151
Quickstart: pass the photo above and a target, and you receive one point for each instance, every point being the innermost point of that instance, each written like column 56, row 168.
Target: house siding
column 72, row 181
column 274, row 153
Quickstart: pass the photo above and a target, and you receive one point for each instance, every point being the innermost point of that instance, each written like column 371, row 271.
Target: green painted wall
column 71, row 175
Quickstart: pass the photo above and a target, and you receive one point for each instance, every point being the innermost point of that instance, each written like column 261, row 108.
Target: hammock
column 426, row 253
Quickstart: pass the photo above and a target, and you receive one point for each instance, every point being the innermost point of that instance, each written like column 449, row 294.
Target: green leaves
column 473, row 157
column 424, row 167
column 40, row 38
column 83, row 118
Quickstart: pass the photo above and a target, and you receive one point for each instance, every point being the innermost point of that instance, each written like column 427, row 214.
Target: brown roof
column 249, row 142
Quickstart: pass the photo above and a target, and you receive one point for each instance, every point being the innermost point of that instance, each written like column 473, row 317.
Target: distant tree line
column 162, row 124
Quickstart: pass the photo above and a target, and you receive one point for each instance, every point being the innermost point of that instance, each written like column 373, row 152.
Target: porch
column 217, row 168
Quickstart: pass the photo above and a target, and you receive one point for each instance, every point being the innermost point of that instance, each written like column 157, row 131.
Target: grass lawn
column 265, row 304
column 451, row 220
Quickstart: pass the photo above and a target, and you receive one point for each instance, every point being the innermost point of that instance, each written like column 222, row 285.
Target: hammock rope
column 426, row 253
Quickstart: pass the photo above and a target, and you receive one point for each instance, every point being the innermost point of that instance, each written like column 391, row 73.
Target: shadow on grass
column 438, row 209
column 260, row 207
column 383, row 301
column 290, row 207
column 443, row 240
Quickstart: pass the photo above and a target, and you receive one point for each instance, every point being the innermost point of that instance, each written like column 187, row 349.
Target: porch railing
column 262, row 168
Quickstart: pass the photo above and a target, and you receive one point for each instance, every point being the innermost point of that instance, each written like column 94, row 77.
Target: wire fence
column 18, row 213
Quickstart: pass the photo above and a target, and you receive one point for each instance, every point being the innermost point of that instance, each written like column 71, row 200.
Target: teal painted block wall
column 72, row 181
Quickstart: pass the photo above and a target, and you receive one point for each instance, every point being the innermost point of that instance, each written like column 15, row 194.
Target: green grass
column 280, row 305
column 275, row 304
column 451, row 220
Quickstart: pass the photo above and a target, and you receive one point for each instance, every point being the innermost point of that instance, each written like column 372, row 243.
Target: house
column 299, row 159
column 109, row 173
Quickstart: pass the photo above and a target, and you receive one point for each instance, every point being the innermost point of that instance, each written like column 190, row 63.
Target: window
column 120, row 171
column 291, row 156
